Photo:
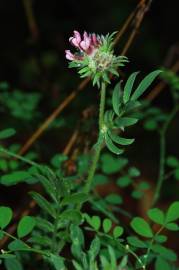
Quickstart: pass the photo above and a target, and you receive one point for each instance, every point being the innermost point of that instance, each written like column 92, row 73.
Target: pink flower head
column 86, row 45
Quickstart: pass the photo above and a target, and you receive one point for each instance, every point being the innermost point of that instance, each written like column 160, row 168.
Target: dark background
column 57, row 19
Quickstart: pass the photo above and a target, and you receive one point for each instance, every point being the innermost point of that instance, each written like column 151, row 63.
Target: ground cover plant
column 83, row 201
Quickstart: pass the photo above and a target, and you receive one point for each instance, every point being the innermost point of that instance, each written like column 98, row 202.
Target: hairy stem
column 99, row 141
column 161, row 176
column 54, row 237
column 150, row 245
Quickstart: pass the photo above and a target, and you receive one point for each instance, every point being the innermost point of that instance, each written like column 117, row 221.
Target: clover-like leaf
column 141, row 227
column 5, row 216
column 6, row 133
column 25, row 226
column 173, row 212
column 156, row 215
column 107, row 224
column 118, row 231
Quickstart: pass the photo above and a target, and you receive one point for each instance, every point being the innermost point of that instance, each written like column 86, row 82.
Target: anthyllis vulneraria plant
column 94, row 56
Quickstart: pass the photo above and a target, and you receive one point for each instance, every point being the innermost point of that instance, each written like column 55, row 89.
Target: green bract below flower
column 94, row 56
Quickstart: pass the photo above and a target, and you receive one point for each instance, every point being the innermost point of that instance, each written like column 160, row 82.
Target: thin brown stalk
column 32, row 24
column 50, row 119
column 71, row 142
column 144, row 7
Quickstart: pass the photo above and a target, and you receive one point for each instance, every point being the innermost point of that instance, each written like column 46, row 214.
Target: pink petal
column 77, row 36
column 86, row 42
column 69, row 55
column 83, row 45
column 85, row 35
column 95, row 40
column 74, row 42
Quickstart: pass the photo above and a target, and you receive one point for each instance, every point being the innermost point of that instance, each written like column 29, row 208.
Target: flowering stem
column 102, row 106
column 99, row 141
column 161, row 176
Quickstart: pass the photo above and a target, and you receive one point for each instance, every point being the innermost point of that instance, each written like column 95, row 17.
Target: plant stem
column 150, row 245
column 99, row 141
column 28, row 161
column 161, row 176
column 29, row 249
column 54, row 241
column 161, row 167
column 138, row 259
column 102, row 106
column 54, row 245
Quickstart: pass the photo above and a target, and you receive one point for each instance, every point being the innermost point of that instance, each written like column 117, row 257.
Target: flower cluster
column 88, row 45
column 94, row 56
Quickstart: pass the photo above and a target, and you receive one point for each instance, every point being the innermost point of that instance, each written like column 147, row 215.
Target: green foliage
column 173, row 80
column 156, row 215
column 5, row 216
column 111, row 164
column 28, row 103
column 25, row 226
column 75, row 198
column 6, row 133
column 118, row 231
column 14, row 178
column 57, row 262
column 124, row 102
column 173, row 212
column 153, row 117
column 107, row 224
column 141, row 227
column 13, row 264
column 161, row 264
column 173, row 163
column 113, row 198
column 43, row 203
column 145, row 83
